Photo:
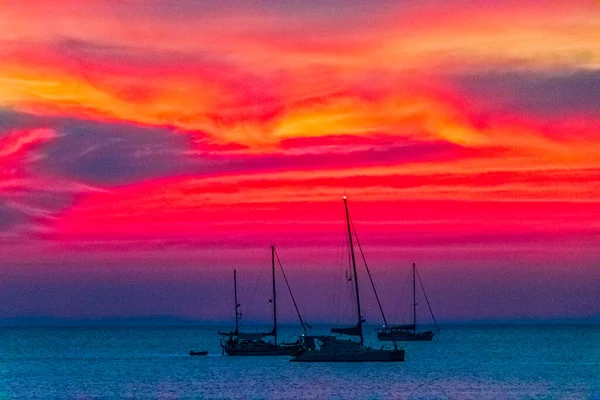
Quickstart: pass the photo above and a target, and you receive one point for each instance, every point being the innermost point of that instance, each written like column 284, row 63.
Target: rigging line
column 395, row 298
column 349, row 305
column 400, row 311
column 368, row 273
column 406, row 296
column 304, row 325
column 252, row 302
column 338, row 283
column 427, row 300
column 349, row 292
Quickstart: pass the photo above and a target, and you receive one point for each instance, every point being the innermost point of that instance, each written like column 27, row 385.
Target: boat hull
column 405, row 336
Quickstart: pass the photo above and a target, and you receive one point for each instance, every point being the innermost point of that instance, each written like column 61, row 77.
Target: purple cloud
column 555, row 94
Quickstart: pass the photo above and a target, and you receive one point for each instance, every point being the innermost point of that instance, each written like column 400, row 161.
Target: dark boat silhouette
column 328, row 348
column 408, row 333
column 253, row 343
column 198, row 353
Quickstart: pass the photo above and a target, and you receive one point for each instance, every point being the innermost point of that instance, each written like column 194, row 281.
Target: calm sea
column 463, row 362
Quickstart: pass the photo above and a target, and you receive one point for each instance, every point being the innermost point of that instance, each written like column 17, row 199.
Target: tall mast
column 236, row 301
column 274, row 295
column 354, row 271
column 414, row 299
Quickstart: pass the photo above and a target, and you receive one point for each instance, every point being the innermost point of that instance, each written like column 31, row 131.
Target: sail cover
column 353, row 330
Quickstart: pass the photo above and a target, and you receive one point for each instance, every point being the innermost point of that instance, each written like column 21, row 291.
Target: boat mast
column 414, row 299
column 274, row 296
column 354, row 271
column 236, row 301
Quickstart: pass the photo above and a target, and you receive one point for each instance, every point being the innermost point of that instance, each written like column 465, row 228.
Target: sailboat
column 408, row 333
column 329, row 348
column 253, row 343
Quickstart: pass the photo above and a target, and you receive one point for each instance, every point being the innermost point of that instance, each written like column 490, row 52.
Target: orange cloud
column 270, row 89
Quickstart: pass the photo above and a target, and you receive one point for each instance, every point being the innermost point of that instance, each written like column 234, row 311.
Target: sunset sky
column 147, row 148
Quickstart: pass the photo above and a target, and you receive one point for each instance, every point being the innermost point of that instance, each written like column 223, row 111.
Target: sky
column 148, row 148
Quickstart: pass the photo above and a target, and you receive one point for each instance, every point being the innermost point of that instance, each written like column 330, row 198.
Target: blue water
column 463, row 362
